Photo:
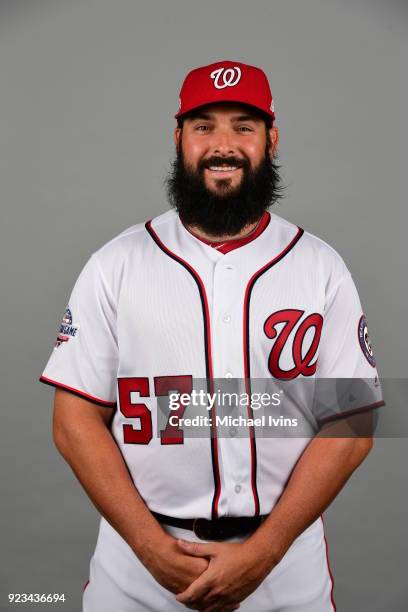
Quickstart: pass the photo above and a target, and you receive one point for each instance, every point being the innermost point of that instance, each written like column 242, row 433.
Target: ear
column 274, row 136
column 177, row 137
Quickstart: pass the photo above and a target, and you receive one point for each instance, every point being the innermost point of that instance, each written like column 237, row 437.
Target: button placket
column 225, row 345
column 227, row 307
column 223, row 288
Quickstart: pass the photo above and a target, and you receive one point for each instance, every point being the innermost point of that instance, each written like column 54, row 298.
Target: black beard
column 225, row 213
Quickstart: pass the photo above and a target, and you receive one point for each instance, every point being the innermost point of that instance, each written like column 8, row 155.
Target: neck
column 248, row 229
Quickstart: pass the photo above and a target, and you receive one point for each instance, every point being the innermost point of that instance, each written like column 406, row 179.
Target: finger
column 195, row 549
column 196, row 590
column 215, row 603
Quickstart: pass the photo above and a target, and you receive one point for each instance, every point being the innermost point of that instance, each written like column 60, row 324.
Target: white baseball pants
column 118, row 581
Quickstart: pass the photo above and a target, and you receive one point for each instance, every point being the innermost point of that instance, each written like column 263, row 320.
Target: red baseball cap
column 226, row 82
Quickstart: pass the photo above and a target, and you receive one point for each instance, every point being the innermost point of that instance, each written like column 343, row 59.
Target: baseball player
column 217, row 287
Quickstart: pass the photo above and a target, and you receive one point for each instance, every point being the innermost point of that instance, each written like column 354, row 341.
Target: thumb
column 195, row 549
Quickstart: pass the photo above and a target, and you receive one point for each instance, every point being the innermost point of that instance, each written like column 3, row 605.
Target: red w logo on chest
column 302, row 354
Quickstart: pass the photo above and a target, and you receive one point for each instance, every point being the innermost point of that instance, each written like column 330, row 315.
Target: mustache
column 219, row 161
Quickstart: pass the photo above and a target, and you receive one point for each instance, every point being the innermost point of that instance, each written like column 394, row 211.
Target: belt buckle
column 222, row 528
column 212, row 530
column 202, row 528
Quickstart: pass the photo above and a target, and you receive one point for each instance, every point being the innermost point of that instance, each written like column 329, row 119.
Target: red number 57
column 138, row 410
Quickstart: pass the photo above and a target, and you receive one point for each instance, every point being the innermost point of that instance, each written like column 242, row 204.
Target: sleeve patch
column 67, row 329
column 364, row 340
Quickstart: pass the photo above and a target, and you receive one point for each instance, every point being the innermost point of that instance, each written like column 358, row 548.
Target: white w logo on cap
column 229, row 76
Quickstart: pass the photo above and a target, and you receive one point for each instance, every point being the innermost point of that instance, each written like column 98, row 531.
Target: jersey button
column 229, row 267
column 237, row 488
column 228, row 375
column 226, row 318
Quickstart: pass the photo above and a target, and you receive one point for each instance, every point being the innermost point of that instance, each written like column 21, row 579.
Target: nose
column 224, row 144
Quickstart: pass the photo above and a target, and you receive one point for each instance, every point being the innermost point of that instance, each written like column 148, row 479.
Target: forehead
column 225, row 110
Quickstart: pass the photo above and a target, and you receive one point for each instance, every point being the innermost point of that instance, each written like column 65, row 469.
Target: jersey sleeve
column 85, row 356
column 347, row 377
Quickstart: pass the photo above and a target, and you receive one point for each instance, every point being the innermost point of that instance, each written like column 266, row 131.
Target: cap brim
column 268, row 112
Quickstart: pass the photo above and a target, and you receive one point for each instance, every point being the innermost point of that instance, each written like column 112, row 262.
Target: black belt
column 222, row 528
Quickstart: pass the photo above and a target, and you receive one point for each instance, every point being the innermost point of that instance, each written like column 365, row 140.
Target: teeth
column 223, row 168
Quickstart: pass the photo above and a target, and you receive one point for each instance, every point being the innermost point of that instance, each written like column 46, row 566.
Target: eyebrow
column 209, row 116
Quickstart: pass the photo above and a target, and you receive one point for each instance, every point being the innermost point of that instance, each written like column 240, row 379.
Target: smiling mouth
column 223, row 169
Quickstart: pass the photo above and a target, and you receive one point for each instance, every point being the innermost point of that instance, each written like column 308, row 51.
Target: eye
column 202, row 128
column 244, row 128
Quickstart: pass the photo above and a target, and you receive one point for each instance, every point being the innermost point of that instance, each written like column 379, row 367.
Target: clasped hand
column 234, row 571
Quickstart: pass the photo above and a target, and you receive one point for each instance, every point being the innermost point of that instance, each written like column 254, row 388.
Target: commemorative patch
column 67, row 330
column 364, row 340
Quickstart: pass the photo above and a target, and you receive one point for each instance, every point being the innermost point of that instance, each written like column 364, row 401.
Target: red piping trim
column 329, row 569
column 225, row 246
column 198, row 279
column 254, row 278
column 91, row 398
column 343, row 415
column 207, row 337
column 248, row 291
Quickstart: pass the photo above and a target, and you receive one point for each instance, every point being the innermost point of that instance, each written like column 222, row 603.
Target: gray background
column 88, row 93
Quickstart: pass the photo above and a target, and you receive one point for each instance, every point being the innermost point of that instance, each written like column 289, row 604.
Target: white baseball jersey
column 156, row 308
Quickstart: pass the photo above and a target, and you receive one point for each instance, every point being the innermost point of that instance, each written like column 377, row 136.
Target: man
column 217, row 288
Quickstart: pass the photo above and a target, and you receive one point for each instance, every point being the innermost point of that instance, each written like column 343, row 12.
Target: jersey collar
column 229, row 245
